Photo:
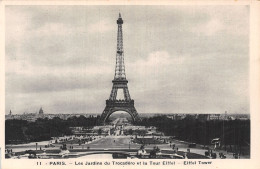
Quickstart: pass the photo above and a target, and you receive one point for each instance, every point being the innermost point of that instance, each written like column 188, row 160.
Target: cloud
column 228, row 20
column 17, row 23
column 70, row 101
column 178, row 59
column 188, row 83
column 211, row 27
column 161, row 58
column 101, row 26
column 52, row 83
column 153, row 69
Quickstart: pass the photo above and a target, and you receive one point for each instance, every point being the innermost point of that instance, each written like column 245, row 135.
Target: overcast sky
column 181, row 59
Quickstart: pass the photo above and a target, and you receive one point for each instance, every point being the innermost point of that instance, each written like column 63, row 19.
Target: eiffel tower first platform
column 119, row 82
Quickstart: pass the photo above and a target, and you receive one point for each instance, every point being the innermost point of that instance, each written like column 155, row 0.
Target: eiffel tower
column 119, row 82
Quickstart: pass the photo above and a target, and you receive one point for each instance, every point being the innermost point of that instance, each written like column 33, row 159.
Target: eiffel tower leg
column 104, row 115
column 126, row 93
column 134, row 114
column 113, row 93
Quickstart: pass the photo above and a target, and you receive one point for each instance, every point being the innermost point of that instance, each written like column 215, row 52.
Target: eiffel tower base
column 119, row 105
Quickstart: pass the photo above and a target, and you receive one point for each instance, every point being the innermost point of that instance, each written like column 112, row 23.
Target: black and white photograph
column 127, row 82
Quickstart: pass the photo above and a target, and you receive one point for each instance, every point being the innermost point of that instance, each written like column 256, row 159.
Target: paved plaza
column 110, row 143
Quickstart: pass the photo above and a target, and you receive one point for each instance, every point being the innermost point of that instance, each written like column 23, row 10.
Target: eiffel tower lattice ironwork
column 119, row 82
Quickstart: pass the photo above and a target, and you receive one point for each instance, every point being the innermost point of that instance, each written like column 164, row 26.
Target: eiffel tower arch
column 112, row 107
column 119, row 82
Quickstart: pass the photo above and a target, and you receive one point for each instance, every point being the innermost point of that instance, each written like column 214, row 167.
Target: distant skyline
column 179, row 59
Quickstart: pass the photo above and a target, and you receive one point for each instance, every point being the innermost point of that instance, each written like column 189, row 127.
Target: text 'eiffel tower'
column 119, row 82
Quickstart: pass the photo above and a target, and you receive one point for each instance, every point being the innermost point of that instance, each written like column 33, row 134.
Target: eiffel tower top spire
column 120, row 66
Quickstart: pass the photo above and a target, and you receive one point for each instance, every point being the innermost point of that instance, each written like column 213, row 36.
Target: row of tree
column 21, row 131
column 230, row 132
